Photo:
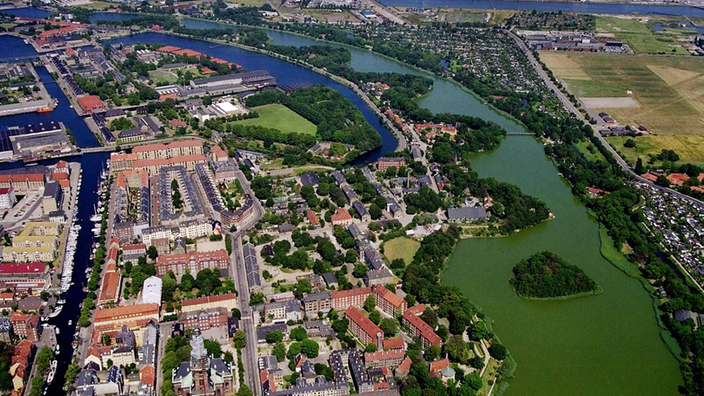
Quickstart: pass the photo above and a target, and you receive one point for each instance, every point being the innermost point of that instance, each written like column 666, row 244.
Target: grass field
column 401, row 247
column 280, row 117
column 669, row 90
column 640, row 35
column 690, row 148
column 584, row 150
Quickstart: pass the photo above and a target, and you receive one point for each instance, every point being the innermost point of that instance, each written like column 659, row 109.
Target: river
column 604, row 345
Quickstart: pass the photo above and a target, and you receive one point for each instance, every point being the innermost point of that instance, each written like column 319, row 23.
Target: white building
column 152, row 290
column 7, row 198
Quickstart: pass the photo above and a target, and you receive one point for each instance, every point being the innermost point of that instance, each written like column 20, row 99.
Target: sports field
column 278, row 116
column 401, row 247
column 690, row 148
column 669, row 90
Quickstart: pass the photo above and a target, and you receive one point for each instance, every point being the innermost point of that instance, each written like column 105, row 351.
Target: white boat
column 52, row 371
column 57, row 350
column 58, row 310
column 70, row 322
column 61, row 302
column 56, row 330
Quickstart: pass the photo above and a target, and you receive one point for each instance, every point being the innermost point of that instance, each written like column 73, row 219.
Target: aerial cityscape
column 337, row 197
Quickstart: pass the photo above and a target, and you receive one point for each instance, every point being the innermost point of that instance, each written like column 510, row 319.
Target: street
column 249, row 354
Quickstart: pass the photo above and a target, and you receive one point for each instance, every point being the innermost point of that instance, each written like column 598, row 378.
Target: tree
column 388, row 326
column 375, row 317
column 106, row 339
column 152, row 253
column 256, row 299
column 298, row 334
column 498, row 351
column 359, row 270
column 375, row 211
column 630, row 143
column 370, row 348
column 340, row 326
column 279, row 351
column 640, row 169
column 456, row 349
column 432, row 353
column 310, row 348
column 274, row 337
column 370, row 303
column 478, row 331
column 351, row 256
column 213, row 348
column 430, row 317
column 244, row 390
column 240, row 339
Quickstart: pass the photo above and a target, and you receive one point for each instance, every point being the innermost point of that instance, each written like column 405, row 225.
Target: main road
column 238, row 270
column 573, row 109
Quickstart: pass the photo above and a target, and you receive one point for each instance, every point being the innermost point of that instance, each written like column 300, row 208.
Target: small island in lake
column 545, row 275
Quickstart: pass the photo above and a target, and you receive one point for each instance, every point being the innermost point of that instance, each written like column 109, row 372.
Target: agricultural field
column 669, row 91
column 642, row 37
column 401, row 247
column 690, row 148
column 278, row 116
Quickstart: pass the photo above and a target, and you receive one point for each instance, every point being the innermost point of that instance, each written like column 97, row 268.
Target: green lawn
column 278, row 116
column 583, row 148
column 401, row 247
column 690, row 148
column 640, row 35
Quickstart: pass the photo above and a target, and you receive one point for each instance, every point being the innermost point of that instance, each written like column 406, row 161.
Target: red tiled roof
column 123, row 157
column 147, row 375
column 137, row 247
column 65, row 183
column 364, row 322
column 677, row 179
column 20, row 177
column 416, row 310
column 4, row 191
column 384, row 355
column 389, row 296
column 312, row 217
column 351, row 292
column 197, row 256
column 130, row 310
column 425, row 329
column 162, row 146
column 90, row 103
column 394, row 343
column 340, row 215
column 22, row 268
column 438, row 365
column 59, row 176
column 109, row 288
column 168, row 48
column 177, row 123
column 208, row 299
column 164, row 161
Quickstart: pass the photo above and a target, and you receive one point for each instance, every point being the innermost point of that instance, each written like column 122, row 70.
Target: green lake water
column 601, row 345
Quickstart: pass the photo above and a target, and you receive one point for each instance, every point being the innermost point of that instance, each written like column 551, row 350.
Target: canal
column 87, row 198
column 604, row 345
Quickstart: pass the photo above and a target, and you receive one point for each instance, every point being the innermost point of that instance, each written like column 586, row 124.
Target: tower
column 200, row 363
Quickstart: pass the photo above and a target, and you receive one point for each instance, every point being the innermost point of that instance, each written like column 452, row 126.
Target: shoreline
column 596, row 292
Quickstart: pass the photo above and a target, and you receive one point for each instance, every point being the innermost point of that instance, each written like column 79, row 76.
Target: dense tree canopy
column 545, row 275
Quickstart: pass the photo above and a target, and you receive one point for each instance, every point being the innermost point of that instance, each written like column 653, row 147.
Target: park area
column 690, row 148
column 669, row 91
column 280, row 117
column 401, row 247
